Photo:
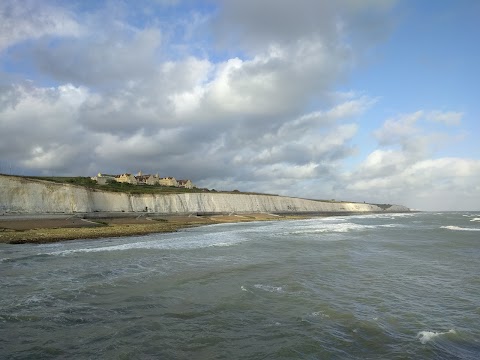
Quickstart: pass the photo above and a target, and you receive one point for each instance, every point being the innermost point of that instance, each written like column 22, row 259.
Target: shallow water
column 397, row 286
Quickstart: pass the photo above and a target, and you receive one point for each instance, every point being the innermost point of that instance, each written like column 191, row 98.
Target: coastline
column 38, row 230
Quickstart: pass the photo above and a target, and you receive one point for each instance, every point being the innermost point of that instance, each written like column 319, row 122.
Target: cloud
column 427, row 184
column 399, row 130
column 447, row 118
column 244, row 97
column 122, row 97
column 100, row 61
column 412, row 173
column 413, row 133
column 256, row 25
column 44, row 119
column 166, row 2
column 29, row 19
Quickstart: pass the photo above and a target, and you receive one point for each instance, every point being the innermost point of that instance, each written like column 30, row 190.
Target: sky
column 373, row 100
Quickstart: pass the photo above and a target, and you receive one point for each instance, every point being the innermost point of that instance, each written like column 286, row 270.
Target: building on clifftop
column 187, row 184
column 168, row 181
column 126, row 178
column 102, row 179
column 147, row 179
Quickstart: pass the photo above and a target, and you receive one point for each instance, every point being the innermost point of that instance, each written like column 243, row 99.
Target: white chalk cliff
column 21, row 195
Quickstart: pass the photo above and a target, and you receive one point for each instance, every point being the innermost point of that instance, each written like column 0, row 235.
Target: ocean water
column 389, row 286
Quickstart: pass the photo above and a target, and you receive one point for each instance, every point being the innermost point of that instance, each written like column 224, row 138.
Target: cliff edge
column 30, row 196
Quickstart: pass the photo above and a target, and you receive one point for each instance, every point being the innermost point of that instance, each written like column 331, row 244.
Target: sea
column 379, row 286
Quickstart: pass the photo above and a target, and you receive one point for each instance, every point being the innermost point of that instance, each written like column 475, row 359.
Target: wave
column 269, row 288
column 338, row 228
column 426, row 336
column 320, row 228
column 326, row 219
column 388, row 216
column 319, row 314
column 197, row 242
column 458, row 228
column 475, row 219
column 401, row 214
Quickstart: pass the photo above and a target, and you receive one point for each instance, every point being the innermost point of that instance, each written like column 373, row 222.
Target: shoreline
column 50, row 229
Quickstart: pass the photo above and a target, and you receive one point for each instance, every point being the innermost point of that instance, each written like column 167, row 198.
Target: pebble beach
column 33, row 229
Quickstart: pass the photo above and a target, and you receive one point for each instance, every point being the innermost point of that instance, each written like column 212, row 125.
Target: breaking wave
column 197, row 242
column 269, row 288
column 426, row 336
column 458, row 228
column 338, row 228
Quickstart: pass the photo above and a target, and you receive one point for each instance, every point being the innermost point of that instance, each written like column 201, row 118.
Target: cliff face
column 36, row 196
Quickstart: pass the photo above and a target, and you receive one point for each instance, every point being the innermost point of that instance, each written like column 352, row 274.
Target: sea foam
column 458, row 228
column 330, row 228
column 269, row 288
column 338, row 228
column 197, row 242
column 426, row 336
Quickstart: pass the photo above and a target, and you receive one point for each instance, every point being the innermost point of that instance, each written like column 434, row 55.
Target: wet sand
column 47, row 230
